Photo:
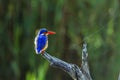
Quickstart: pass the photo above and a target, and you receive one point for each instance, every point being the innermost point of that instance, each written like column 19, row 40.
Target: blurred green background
column 95, row 21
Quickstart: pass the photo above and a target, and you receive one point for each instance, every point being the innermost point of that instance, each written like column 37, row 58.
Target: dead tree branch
column 119, row 77
column 73, row 70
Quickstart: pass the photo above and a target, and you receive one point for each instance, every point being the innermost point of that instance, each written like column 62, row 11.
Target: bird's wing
column 40, row 43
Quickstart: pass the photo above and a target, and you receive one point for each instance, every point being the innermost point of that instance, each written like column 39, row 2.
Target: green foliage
column 30, row 76
column 75, row 21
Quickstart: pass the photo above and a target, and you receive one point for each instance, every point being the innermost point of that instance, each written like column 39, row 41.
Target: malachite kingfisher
column 41, row 40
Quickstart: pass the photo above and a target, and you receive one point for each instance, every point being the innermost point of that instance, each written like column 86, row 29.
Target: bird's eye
column 45, row 32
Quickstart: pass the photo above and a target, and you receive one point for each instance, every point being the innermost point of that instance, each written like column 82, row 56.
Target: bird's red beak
column 51, row 32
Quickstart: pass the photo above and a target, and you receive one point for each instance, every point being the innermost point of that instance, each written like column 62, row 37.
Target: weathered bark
column 73, row 70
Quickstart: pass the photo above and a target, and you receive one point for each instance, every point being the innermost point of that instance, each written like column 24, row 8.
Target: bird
column 41, row 40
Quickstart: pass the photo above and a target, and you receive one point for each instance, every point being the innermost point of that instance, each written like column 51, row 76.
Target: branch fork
column 77, row 73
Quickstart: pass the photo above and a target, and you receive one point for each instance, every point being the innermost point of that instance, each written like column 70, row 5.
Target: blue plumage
column 41, row 40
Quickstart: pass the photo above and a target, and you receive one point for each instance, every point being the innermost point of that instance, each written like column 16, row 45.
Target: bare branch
column 84, row 66
column 119, row 77
column 73, row 70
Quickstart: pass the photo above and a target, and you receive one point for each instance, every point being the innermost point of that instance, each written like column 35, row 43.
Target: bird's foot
column 42, row 52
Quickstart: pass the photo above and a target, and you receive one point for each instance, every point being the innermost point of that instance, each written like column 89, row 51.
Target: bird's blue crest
column 43, row 30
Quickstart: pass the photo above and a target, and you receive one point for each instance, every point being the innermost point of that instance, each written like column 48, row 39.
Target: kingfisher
column 41, row 40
